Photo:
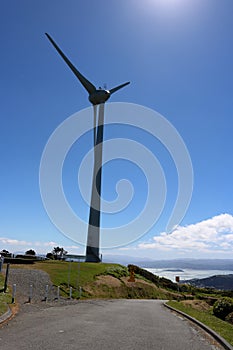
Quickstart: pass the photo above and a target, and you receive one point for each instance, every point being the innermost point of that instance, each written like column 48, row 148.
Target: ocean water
column 186, row 274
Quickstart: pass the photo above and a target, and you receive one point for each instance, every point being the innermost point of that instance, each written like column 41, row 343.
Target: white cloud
column 14, row 242
column 212, row 235
column 40, row 247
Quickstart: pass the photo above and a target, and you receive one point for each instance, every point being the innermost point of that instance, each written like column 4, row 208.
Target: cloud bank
column 212, row 235
column 40, row 247
column 208, row 238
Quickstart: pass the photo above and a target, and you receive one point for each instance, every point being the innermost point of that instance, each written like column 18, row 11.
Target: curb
column 216, row 336
column 6, row 315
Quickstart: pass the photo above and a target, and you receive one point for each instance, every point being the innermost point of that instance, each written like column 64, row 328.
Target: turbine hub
column 99, row 96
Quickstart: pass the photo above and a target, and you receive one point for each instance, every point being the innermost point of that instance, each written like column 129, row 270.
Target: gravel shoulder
column 37, row 279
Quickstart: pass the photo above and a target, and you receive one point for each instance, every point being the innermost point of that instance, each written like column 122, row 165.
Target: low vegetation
column 223, row 307
column 205, row 315
column 116, row 271
column 5, row 298
column 100, row 280
column 213, row 308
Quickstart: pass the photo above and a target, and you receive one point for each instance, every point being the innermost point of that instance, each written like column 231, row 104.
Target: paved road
column 100, row 325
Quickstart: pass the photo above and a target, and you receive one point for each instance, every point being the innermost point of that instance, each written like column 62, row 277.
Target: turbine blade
column 118, row 87
column 86, row 83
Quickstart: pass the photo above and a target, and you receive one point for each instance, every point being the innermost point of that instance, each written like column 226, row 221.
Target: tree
column 30, row 252
column 5, row 253
column 62, row 253
column 50, row 256
column 55, row 252
column 59, row 253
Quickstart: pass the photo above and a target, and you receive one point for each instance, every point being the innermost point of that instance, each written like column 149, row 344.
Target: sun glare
column 170, row 8
column 170, row 5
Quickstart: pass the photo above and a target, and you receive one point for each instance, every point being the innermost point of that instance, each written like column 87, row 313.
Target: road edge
column 215, row 335
column 7, row 315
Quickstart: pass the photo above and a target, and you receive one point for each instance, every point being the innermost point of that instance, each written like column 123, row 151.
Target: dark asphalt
column 95, row 325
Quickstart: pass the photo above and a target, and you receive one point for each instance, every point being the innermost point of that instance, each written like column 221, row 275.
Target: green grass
column 117, row 271
column 61, row 272
column 5, row 298
column 73, row 274
column 223, row 328
column 65, row 274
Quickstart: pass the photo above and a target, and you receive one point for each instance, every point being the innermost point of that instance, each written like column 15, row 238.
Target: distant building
column 73, row 257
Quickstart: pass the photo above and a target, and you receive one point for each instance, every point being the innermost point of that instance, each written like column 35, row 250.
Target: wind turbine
column 96, row 97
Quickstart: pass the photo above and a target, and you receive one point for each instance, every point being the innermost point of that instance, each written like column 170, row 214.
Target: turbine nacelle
column 99, row 96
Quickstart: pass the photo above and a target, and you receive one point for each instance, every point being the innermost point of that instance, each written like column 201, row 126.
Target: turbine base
column 92, row 255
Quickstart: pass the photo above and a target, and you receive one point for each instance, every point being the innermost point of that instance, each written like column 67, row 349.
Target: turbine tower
column 96, row 97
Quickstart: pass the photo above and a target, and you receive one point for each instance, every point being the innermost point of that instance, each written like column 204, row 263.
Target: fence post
column 70, row 292
column 1, row 263
column 69, row 272
column 6, row 277
column 13, row 294
column 46, row 292
column 30, row 293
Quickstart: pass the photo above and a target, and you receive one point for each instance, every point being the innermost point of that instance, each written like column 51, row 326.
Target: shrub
column 223, row 307
column 144, row 273
column 117, row 272
column 30, row 252
column 229, row 318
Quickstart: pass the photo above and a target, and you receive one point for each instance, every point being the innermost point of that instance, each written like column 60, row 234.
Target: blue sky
column 178, row 56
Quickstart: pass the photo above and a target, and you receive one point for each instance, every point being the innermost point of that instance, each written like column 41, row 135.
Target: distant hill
column 198, row 264
column 125, row 259
column 221, row 282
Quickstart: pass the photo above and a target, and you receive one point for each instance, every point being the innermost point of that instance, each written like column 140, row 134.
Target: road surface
column 100, row 325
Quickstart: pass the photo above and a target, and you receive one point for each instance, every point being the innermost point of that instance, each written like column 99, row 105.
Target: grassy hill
column 104, row 280
column 221, row 282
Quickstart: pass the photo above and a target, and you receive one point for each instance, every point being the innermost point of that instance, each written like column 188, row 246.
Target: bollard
column 69, row 272
column 30, row 293
column 46, row 292
column 6, row 277
column 70, row 292
column 13, row 294
column 78, row 275
column 80, row 292
column 58, row 292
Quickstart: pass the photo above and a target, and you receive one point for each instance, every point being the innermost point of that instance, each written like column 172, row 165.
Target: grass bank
column 5, row 298
column 203, row 313
column 100, row 280
column 73, row 274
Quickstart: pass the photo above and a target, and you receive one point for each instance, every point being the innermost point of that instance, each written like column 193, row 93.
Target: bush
column 229, row 318
column 144, row 273
column 223, row 307
column 117, row 272
column 50, row 256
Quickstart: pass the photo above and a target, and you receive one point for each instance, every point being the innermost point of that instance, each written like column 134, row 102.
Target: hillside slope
column 221, row 282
